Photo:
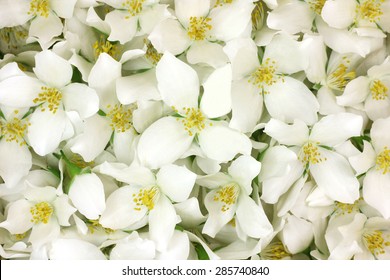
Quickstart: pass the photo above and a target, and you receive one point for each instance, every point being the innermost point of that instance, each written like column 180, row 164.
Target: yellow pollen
column 79, row 161
column 310, row 154
column 383, row 161
column 194, row 120
column 375, row 242
column 274, row 251
column 133, row 7
column 258, row 15
column 265, row 75
column 317, row 5
column 198, row 28
column 39, row 7
column 378, row 90
column 105, row 46
column 41, row 212
column 222, row 2
column 345, row 208
column 145, row 197
column 94, row 225
column 20, row 236
column 151, row 54
column 13, row 37
column 121, row 118
column 340, row 77
column 370, row 10
column 51, row 96
column 227, row 195
column 14, row 130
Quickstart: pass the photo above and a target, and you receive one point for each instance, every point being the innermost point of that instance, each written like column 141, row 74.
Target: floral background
column 194, row 129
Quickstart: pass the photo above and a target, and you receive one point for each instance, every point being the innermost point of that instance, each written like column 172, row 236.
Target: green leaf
column 71, row 168
column 201, row 252
column 77, row 76
column 101, row 113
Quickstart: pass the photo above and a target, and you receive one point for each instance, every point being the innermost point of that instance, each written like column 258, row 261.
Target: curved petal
column 124, row 147
column 288, row 134
column 163, row 142
column 162, row 221
column 214, row 180
column 87, row 195
column 134, row 249
column 339, row 14
column 290, row 99
column 377, row 109
column 184, row 9
column 222, row 143
column 335, row 176
column 205, row 52
column 376, row 191
column 189, row 212
column 15, row 162
column 297, row 234
column 44, row 29
column 252, row 218
column 80, row 98
column 216, row 100
column 43, row 233
column 123, row 27
column 379, row 134
column 355, row 92
column 18, row 217
column 178, row 247
column 176, row 182
column 363, row 161
column 14, row 13
column 63, row 210
column 63, row 9
column 74, row 249
column 170, row 36
column 178, row 83
column 46, row 130
column 19, row 91
column 35, row 194
column 243, row 170
column 120, row 209
column 327, row 100
column 336, row 129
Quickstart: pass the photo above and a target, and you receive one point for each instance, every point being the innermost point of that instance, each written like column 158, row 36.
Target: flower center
column 151, row 54
column 376, row 242
column 257, row 15
column 146, row 197
column 383, row 161
column 20, row 236
column 41, row 212
column 227, row 195
column 121, row 118
column 194, row 120
column 51, row 96
column 13, row 37
column 317, row 5
column 339, row 78
column 264, row 75
column 310, row 154
column 39, row 7
column 198, row 28
column 378, row 90
column 14, row 130
column 222, row 2
column 370, row 10
column 95, row 225
column 274, row 251
column 105, row 46
column 345, row 208
column 133, row 7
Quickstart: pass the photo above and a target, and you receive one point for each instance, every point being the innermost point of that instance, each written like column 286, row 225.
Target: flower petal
column 288, row 134
column 87, row 195
column 19, row 219
column 379, row 134
column 176, row 182
column 64, row 10
column 42, row 233
column 124, row 147
column 134, row 249
column 376, row 191
column 243, row 170
column 19, row 91
column 297, row 234
column 185, row 9
column 376, row 109
column 80, row 98
column 178, row 247
column 339, row 14
column 355, row 92
column 363, row 161
column 189, row 212
column 208, row 53
column 14, row 13
column 63, row 210
column 74, row 249
column 123, row 27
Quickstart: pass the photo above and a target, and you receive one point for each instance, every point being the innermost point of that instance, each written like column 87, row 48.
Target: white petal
column 43, row 233
column 379, row 134
column 216, row 100
column 123, row 143
column 178, row 248
column 178, row 83
column 243, row 170
column 294, row 134
column 169, row 35
column 64, row 10
column 34, row 193
column 14, row 13
column 377, row 109
column 189, row 212
column 94, row 20
column 19, row 91
column 247, row 106
column 208, row 53
column 252, row 218
column 214, row 180
column 297, row 234
column 363, row 161
column 74, row 249
column 18, row 217
column 376, row 191
column 163, row 142
column 292, row 17
column 134, row 249
column 15, row 162
column 151, row 16
column 120, row 209
column 176, row 182
column 291, row 100
column 63, row 210
column 138, row 87
column 355, row 92
column 147, row 113
column 87, row 195
column 97, row 128
column 123, row 27
column 162, row 221
column 317, row 57
column 336, row 129
column 222, row 143
column 335, row 176
column 327, row 100
column 186, row 8
column 339, row 14
column 46, row 130
column 290, row 198
column 207, row 165
column 80, row 98
column 44, row 29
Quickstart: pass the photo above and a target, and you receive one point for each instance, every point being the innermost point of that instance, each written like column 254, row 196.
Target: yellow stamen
column 222, row 2
column 151, row 54
column 121, row 118
column 258, row 15
column 310, row 154
column 339, row 78
column 94, row 225
column 79, row 161
column 370, row 10
column 51, row 96
column 317, row 5
column 376, row 242
column 133, row 7
column 105, row 46
column 227, row 195
column 194, row 122
column 146, row 197
column 20, row 236
column 14, row 130
column 41, row 212
column 274, row 251
column 39, row 7
column 13, row 38
column 198, row 28
column 383, row 161
column 265, row 75
column 378, row 90
column 345, row 208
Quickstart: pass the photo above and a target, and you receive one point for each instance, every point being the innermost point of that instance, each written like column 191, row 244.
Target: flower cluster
column 194, row 129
